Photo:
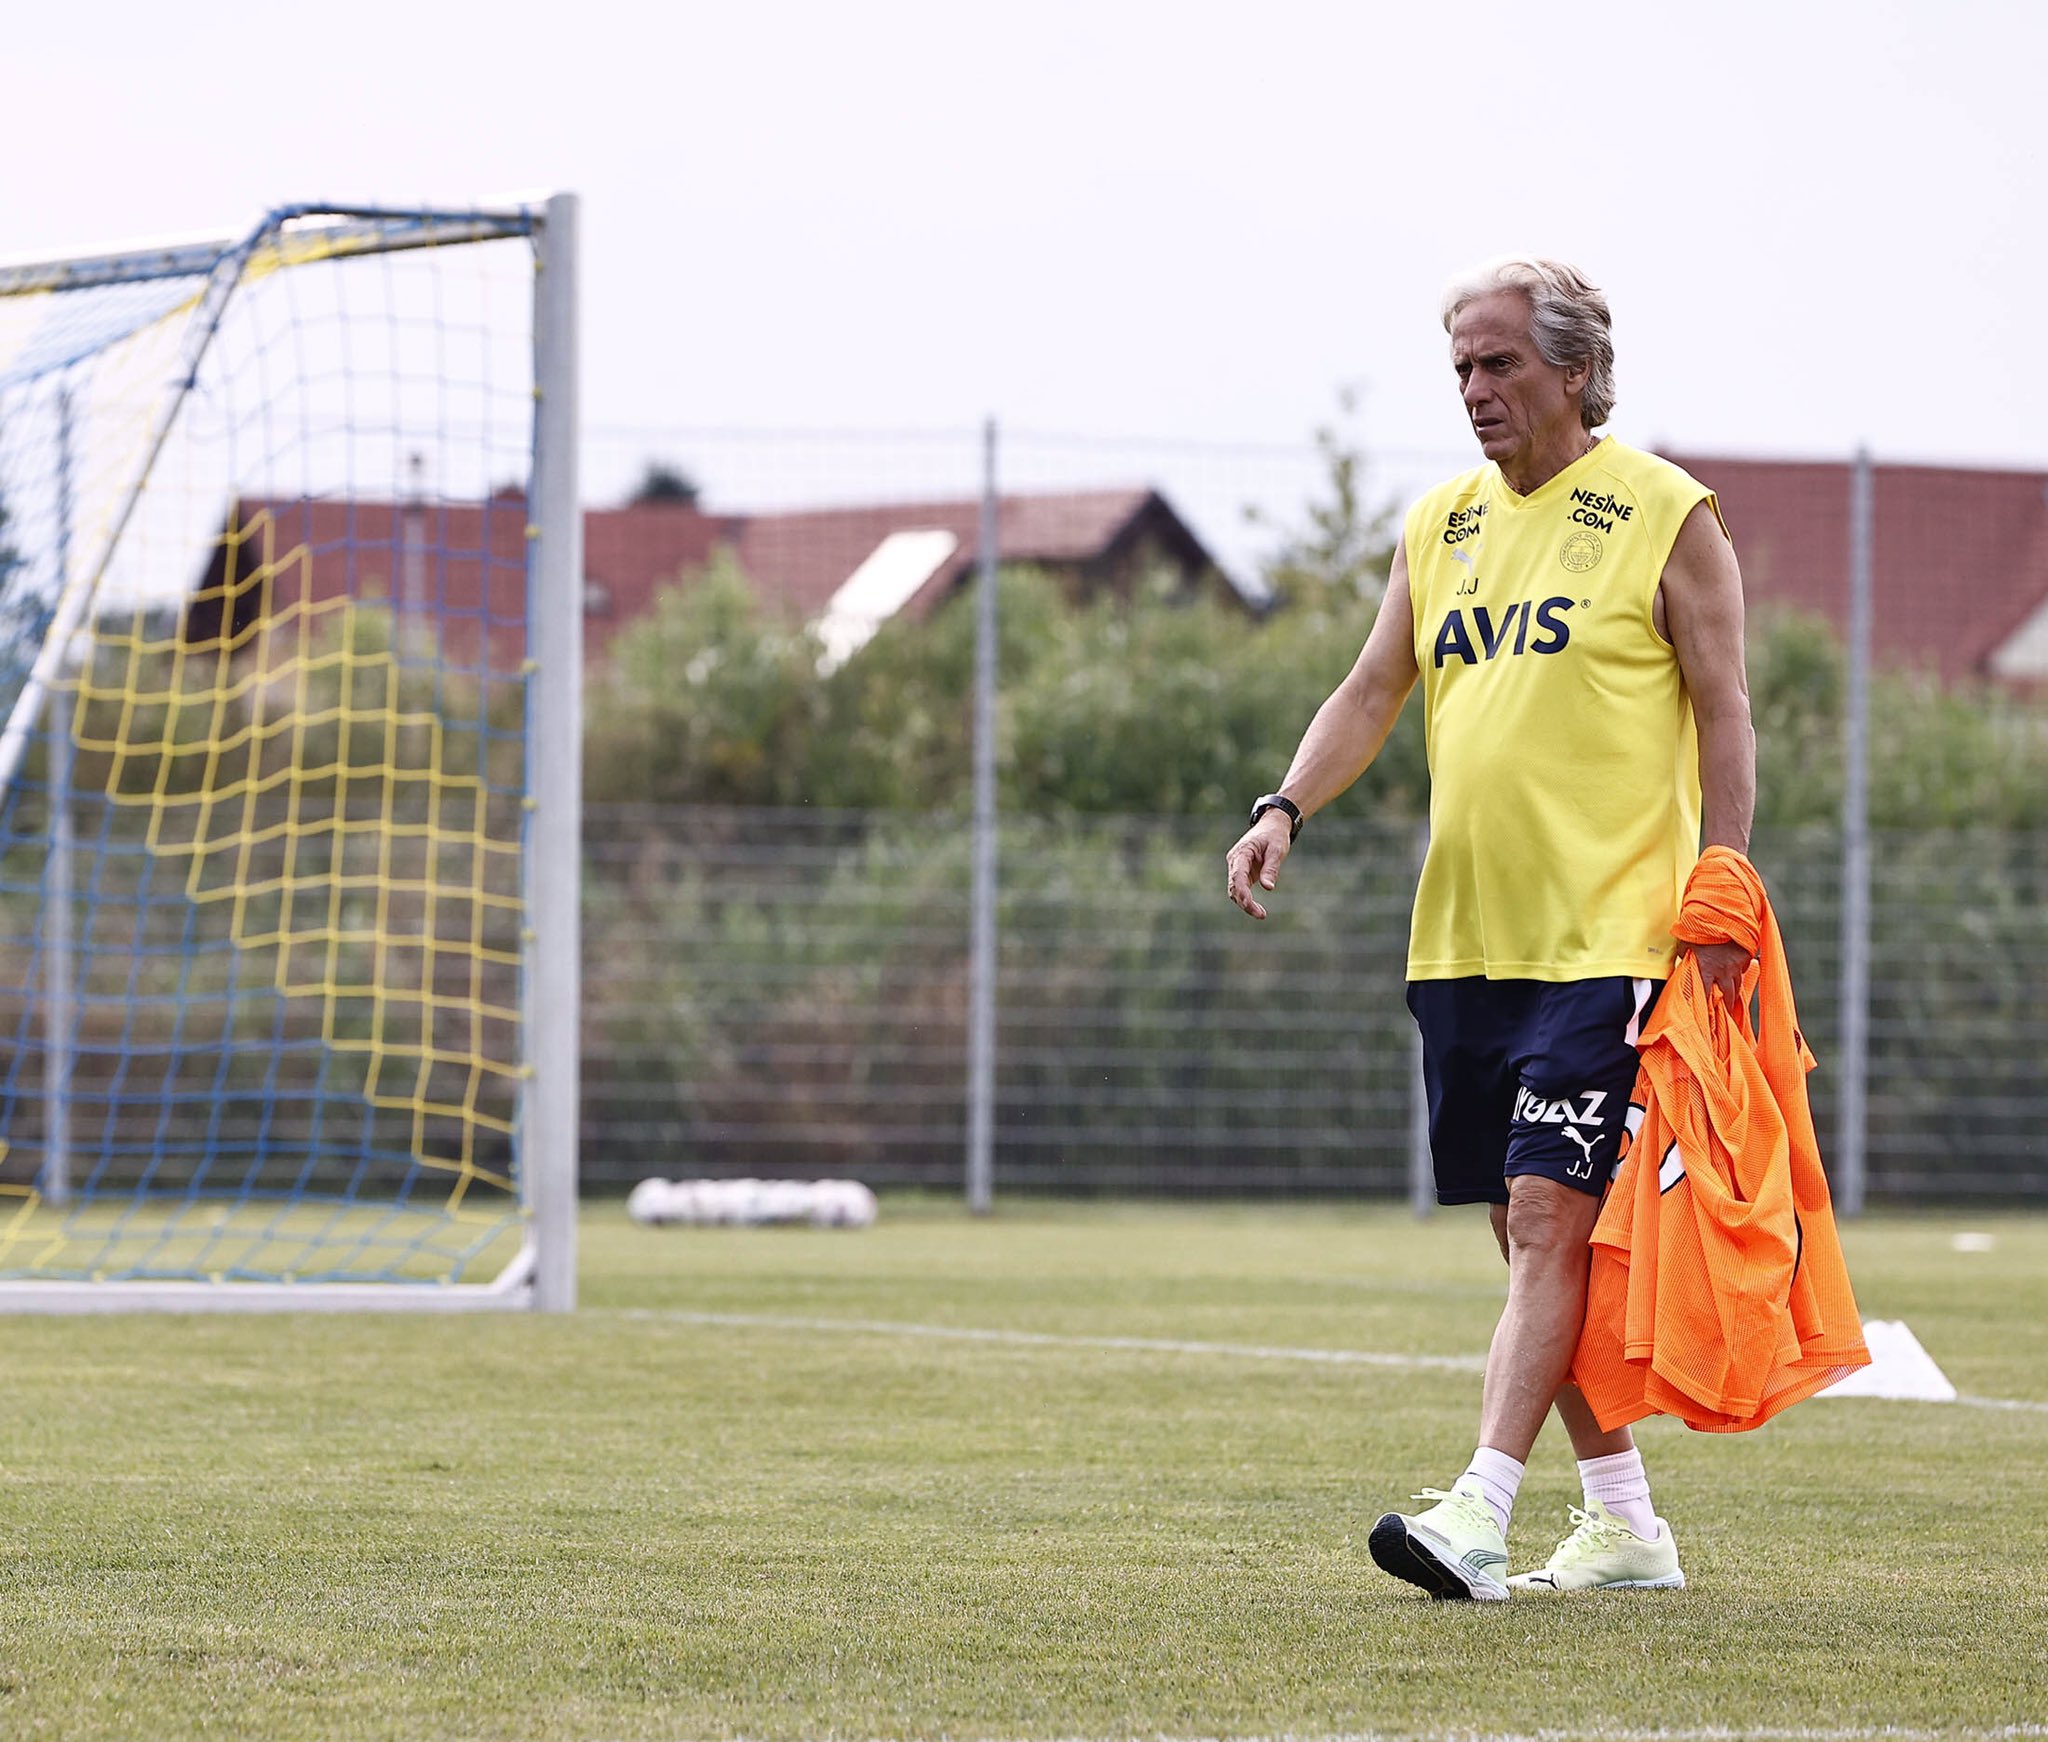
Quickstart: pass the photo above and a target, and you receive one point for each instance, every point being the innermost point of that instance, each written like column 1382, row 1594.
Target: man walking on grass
column 1574, row 612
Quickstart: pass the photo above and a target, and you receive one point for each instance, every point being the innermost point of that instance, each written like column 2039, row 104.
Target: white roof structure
column 883, row 584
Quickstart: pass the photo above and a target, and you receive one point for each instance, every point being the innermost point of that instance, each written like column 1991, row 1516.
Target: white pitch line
column 1050, row 1339
column 1622, row 1733
column 2004, row 1403
column 1619, row 1733
column 1607, row 1733
column 1177, row 1346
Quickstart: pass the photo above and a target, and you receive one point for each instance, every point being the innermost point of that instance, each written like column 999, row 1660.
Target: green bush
column 1161, row 708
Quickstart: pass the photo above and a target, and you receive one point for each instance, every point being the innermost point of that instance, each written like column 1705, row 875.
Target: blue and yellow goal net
column 265, row 733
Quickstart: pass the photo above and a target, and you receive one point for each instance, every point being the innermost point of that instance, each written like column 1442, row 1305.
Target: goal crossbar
column 290, row 236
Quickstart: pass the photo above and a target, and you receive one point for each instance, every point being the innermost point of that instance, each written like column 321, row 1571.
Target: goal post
column 290, row 743
column 554, row 985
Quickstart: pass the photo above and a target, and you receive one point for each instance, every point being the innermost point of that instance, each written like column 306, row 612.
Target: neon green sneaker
column 1455, row 1549
column 1603, row 1554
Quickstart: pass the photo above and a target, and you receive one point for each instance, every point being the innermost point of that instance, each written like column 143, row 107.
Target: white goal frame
column 542, row 1275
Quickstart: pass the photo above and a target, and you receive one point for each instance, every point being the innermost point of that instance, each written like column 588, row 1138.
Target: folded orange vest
column 1718, row 1291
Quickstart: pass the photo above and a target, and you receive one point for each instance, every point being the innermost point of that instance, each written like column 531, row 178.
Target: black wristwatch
column 1274, row 801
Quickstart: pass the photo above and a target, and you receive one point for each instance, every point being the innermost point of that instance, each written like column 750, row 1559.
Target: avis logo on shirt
column 1484, row 637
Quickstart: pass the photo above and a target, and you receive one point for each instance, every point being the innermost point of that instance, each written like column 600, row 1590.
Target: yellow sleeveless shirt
column 1564, row 804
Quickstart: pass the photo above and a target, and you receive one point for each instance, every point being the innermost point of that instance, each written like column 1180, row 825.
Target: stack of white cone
column 752, row 1203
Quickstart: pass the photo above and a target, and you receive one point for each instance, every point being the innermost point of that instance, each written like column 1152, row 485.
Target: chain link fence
column 777, row 992
column 775, row 987
column 790, row 990
column 784, row 993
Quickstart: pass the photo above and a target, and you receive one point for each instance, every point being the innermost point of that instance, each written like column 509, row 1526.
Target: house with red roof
column 1960, row 559
column 1959, row 563
column 847, row 569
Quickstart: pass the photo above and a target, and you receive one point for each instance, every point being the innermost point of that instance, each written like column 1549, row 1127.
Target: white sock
column 1498, row 1476
column 1620, row 1484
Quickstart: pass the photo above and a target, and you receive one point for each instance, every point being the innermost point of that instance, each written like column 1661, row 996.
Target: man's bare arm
column 1701, row 598
column 1341, row 741
column 1702, row 595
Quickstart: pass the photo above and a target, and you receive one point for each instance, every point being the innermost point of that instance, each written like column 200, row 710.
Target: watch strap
column 1274, row 801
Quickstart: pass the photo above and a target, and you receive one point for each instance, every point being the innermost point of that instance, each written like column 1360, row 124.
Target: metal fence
column 786, row 993
column 792, row 992
column 798, row 991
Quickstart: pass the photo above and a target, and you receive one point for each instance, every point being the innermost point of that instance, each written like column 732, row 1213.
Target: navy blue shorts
column 1527, row 1076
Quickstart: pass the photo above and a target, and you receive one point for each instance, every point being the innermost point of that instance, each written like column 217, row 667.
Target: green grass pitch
column 638, row 1522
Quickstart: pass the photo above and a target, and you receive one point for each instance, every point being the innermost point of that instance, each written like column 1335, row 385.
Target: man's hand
column 1257, row 858
column 1722, row 967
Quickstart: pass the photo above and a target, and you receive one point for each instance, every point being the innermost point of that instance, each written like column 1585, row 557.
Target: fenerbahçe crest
column 1593, row 512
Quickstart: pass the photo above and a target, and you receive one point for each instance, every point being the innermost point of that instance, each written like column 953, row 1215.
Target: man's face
column 1519, row 405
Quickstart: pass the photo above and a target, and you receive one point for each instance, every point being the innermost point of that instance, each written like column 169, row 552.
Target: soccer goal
column 290, row 702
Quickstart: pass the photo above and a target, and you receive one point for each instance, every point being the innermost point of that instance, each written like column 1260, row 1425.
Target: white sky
column 1818, row 223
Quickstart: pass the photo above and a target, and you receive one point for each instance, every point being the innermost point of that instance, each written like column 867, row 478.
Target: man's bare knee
column 1544, row 1218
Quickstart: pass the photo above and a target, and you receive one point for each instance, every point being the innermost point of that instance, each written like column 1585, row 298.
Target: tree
column 1347, row 543
column 1159, row 705
column 661, row 482
column 710, row 699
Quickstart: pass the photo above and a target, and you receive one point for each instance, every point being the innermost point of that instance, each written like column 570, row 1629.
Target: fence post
column 981, row 970
column 1421, row 1169
column 59, row 967
column 1851, row 1162
column 59, row 973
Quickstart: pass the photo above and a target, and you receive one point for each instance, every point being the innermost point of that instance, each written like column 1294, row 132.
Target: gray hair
column 1568, row 319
